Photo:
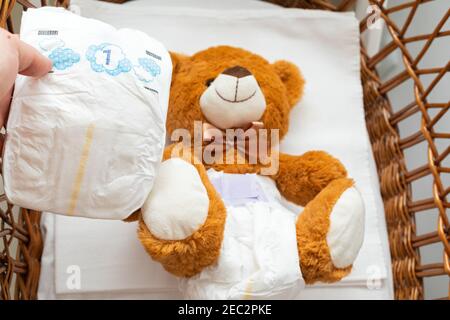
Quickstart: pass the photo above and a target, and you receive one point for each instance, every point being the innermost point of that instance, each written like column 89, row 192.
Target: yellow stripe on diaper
column 248, row 290
column 81, row 168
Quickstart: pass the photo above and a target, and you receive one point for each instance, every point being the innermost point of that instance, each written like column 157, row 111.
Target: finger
column 8, row 63
column 5, row 101
column 2, row 141
column 31, row 62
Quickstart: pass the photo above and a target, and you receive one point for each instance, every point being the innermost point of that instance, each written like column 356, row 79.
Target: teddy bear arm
column 183, row 219
column 301, row 178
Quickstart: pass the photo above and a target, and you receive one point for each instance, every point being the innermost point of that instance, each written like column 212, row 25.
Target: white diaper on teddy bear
column 258, row 257
column 87, row 138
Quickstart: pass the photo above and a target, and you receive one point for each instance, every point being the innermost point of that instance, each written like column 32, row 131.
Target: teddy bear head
column 230, row 87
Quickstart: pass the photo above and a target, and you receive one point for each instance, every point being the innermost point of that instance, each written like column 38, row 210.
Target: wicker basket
column 21, row 245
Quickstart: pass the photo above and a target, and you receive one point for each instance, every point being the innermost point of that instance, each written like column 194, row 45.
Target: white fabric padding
column 346, row 232
column 233, row 112
column 86, row 139
column 178, row 204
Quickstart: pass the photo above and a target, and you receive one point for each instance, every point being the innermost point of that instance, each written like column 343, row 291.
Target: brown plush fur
column 315, row 179
column 133, row 217
column 291, row 77
column 301, row 178
column 312, row 229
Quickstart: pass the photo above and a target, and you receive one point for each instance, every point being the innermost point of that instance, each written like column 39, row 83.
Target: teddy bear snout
column 233, row 99
column 235, row 84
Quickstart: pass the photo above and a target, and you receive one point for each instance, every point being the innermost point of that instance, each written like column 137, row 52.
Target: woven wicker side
column 397, row 176
column 20, row 235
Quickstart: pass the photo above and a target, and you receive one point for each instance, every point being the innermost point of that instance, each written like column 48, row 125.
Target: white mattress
column 111, row 261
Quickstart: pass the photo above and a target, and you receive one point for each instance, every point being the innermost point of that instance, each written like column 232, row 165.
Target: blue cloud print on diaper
column 147, row 69
column 63, row 58
column 108, row 58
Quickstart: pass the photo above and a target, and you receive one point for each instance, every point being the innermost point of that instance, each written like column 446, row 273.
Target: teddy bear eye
column 209, row 81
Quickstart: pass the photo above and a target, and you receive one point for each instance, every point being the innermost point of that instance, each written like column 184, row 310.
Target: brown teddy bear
column 222, row 224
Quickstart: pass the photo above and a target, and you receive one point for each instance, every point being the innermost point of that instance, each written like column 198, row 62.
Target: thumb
column 31, row 62
column 2, row 141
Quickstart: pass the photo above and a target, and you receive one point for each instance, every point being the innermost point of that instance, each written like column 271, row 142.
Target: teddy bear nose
column 237, row 71
column 235, row 84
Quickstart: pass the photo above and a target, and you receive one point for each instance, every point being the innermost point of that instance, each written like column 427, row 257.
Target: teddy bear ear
column 177, row 61
column 292, row 78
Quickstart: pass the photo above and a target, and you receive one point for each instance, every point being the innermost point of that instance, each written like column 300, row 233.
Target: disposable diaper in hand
column 87, row 138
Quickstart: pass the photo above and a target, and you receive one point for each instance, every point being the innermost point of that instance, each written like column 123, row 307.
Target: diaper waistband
column 237, row 189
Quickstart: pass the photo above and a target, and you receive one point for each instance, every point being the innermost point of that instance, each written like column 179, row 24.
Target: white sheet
column 330, row 117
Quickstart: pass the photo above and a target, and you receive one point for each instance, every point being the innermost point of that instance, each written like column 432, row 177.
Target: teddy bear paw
column 346, row 231
column 178, row 204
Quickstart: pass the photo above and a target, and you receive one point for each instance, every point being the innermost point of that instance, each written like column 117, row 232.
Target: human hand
column 17, row 57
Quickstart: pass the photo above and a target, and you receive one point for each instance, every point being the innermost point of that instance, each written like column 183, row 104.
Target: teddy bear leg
column 330, row 232
column 183, row 219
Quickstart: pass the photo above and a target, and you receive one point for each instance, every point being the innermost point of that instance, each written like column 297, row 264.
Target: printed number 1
column 108, row 56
